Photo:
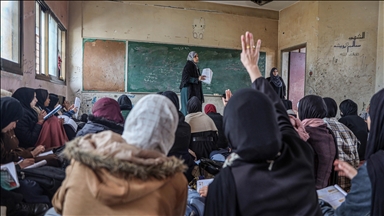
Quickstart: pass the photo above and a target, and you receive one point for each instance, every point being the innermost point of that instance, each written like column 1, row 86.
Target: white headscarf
column 191, row 55
column 152, row 124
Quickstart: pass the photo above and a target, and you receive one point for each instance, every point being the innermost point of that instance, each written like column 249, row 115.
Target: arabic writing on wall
column 360, row 36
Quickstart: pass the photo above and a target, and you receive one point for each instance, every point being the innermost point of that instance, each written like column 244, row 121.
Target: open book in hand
column 53, row 112
column 69, row 121
column 207, row 72
column 9, row 179
column 334, row 195
column 203, row 182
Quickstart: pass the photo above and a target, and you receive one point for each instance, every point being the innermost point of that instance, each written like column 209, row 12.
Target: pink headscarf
column 108, row 108
column 209, row 108
column 296, row 123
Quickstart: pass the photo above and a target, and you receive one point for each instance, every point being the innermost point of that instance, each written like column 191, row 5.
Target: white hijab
column 152, row 124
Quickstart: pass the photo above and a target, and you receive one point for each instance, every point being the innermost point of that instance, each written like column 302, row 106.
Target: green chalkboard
column 158, row 67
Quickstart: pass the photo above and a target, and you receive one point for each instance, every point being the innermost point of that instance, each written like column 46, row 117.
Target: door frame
column 287, row 50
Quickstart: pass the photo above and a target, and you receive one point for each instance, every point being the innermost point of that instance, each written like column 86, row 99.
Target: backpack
column 49, row 178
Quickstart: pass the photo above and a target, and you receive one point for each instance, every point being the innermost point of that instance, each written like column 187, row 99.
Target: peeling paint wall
column 380, row 50
column 164, row 22
column 341, row 67
column 12, row 81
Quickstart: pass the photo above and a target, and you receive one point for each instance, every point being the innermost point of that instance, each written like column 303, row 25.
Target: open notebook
column 9, row 179
column 333, row 194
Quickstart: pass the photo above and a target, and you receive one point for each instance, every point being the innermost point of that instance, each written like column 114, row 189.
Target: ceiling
column 274, row 5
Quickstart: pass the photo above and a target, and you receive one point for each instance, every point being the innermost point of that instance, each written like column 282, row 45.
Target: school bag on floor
column 49, row 178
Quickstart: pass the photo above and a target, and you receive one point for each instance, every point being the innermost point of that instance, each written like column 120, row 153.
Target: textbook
column 334, row 195
column 38, row 164
column 9, row 179
column 207, row 72
column 203, row 182
column 69, row 121
column 77, row 105
column 53, row 112
column 45, row 153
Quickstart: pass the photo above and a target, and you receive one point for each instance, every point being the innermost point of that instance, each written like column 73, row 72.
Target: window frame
column 46, row 76
column 10, row 66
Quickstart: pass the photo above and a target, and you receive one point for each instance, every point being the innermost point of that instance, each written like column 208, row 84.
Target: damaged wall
column 11, row 81
column 165, row 22
column 336, row 66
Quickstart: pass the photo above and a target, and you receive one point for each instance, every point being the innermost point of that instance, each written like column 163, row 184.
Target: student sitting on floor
column 105, row 116
column 271, row 169
column 32, row 130
column 130, row 174
column 204, row 135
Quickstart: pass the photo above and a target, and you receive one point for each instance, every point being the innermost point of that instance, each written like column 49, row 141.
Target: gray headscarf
column 191, row 55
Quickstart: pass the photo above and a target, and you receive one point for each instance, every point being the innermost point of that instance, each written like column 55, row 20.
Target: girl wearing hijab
column 11, row 112
column 217, row 118
column 277, row 83
column 204, row 135
column 349, row 117
column 312, row 109
column 43, row 100
column 129, row 174
column 105, row 115
column 347, row 143
column 32, row 130
column 182, row 138
column 191, row 81
column 366, row 195
column 271, row 169
column 125, row 105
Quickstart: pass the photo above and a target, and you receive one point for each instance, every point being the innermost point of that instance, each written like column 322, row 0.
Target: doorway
column 293, row 63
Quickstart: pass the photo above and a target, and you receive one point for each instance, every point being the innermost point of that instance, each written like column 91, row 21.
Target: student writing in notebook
column 11, row 112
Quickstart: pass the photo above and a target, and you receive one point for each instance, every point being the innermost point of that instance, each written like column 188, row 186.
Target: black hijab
column 249, row 128
column 348, row 107
column 375, row 152
column 11, row 110
column 331, row 107
column 173, row 97
column 25, row 96
column 124, row 102
column 41, row 95
column 275, row 79
column 312, row 106
column 194, row 105
column 54, row 99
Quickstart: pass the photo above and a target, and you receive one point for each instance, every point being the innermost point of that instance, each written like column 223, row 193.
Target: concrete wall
column 163, row 22
column 10, row 81
column 333, row 69
column 380, row 49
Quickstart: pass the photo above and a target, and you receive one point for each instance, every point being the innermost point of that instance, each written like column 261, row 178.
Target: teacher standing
column 191, row 81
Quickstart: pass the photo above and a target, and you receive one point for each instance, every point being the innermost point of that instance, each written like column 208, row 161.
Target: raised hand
column 228, row 95
column 250, row 55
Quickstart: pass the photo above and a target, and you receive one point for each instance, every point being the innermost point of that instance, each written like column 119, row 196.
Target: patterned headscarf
column 191, row 55
column 152, row 124
column 275, row 79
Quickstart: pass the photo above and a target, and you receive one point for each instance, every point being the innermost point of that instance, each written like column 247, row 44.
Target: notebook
column 53, row 112
column 38, row 164
column 9, row 179
column 69, row 121
column 333, row 194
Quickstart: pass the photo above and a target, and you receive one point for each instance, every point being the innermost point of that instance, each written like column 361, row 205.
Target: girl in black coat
column 277, row 83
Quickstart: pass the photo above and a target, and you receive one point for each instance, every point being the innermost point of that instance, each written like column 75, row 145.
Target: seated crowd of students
column 125, row 160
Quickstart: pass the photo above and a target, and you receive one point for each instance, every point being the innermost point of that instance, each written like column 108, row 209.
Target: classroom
column 319, row 26
column 192, row 108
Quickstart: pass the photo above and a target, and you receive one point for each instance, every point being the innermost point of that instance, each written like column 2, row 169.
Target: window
column 11, row 36
column 50, row 45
